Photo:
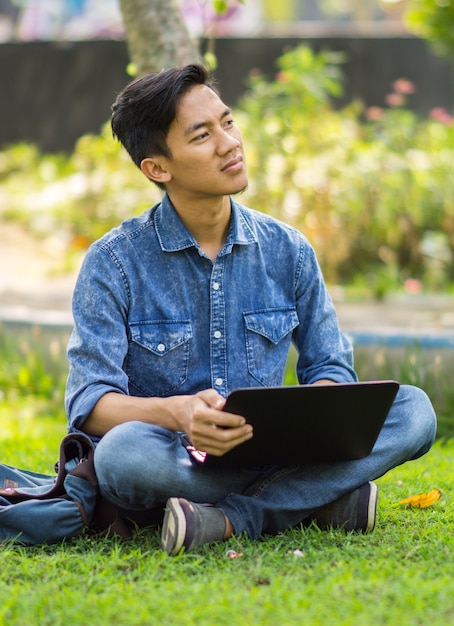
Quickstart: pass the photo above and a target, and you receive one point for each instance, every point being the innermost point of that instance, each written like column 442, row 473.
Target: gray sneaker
column 356, row 510
column 187, row 525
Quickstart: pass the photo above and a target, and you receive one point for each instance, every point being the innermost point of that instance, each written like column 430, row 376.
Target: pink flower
column 282, row 77
column 404, row 86
column 394, row 99
column 374, row 113
column 440, row 114
column 413, row 285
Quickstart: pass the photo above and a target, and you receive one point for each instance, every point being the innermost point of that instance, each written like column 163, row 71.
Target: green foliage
column 433, row 20
column 366, row 186
column 79, row 196
column 32, row 365
column 371, row 188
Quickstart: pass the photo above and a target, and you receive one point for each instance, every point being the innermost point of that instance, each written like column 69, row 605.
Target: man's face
column 206, row 147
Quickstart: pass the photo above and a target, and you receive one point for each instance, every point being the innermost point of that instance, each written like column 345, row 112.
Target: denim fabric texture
column 37, row 508
column 139, row 466
column 154, row 316
column 35, row 521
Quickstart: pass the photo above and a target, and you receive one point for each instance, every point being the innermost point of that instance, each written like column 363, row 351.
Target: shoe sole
column 173, row 528
column 372, row 507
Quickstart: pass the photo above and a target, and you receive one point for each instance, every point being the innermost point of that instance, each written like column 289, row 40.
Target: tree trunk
column 157, row 36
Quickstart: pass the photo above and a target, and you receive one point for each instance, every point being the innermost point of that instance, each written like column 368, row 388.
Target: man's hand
column 209, row 428
column 200, row 416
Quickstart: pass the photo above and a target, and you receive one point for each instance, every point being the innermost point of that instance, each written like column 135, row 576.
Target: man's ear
column 155, row 169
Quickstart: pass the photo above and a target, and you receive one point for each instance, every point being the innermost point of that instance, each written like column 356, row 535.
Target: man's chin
column 239, row 192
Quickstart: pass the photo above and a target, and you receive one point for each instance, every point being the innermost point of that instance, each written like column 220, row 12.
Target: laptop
column 308, row 423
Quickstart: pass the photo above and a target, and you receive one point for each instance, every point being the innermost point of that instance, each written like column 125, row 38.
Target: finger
column 215, row 440
column 222, row 448
column 223, row 419
column 212, row 398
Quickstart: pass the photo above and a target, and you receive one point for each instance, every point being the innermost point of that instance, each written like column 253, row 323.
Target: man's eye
column 201, row 136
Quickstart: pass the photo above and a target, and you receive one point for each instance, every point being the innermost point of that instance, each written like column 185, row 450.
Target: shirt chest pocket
column 268, row 335
column 158, row 357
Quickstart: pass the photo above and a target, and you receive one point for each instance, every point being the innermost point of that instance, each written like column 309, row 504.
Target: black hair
column 144, row 110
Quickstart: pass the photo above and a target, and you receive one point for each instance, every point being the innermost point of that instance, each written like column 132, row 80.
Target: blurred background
column 347, row 112
column 27, row 20
column 76, row 49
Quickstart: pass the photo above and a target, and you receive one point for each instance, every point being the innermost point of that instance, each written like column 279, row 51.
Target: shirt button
column 161, row 347
column 215, row 286
column 218, row 382
column 217, row 334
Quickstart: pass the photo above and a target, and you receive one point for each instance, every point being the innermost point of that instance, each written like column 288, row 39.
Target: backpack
column 38, row 508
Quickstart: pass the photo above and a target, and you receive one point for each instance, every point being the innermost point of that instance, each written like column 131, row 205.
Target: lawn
column 401, row 574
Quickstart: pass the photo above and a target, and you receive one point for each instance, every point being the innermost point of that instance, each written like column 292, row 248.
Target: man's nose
column 227, row 142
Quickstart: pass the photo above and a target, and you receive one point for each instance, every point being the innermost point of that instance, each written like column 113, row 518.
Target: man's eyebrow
column 198, row 125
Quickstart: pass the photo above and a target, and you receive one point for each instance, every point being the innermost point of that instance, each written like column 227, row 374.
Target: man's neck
column 207, row 220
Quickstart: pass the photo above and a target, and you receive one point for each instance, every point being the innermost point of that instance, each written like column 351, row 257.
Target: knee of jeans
column 121, row 453
column 421, row 418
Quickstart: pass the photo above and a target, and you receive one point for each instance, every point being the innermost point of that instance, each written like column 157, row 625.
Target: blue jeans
column 139, row 466
column 35, row 521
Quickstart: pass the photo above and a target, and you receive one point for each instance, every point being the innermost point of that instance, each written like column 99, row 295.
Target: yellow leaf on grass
column 423, row 500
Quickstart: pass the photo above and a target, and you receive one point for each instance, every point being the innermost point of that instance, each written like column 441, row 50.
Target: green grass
column 401, row 574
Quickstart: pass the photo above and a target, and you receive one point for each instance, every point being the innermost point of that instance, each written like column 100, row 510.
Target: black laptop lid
column 308, row 423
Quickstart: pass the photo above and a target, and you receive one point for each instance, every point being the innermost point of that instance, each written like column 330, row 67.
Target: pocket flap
column 273, row 324
column 161, row 336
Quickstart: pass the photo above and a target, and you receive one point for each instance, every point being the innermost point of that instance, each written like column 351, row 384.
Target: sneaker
column 187, row 525
column 356, row 510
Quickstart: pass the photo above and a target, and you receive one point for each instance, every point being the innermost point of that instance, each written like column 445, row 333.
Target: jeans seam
column 276, row 475
column 82, row 513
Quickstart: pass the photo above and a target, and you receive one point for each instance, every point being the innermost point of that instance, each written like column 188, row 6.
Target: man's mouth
column 233, row 164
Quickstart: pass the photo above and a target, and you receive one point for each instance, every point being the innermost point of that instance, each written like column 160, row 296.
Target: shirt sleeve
column 323, row 349
column 99, row 341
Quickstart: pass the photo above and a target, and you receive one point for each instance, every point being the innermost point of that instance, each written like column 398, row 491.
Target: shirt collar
column 173, row 234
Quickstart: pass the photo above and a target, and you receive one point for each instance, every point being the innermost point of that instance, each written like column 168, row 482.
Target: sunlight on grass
column 399, row 574
column 30, row 433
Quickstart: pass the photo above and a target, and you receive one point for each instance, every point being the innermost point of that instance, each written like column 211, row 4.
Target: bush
column 32, row 365
column 434, row 21
column 371, row 188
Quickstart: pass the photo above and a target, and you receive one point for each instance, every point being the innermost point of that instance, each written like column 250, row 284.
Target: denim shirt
column 154, row 316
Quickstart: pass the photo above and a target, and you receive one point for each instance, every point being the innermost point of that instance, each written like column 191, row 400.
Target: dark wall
column 372, row 65
column 52, row 93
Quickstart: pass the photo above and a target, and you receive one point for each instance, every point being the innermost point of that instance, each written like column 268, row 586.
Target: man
column 198, row 296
